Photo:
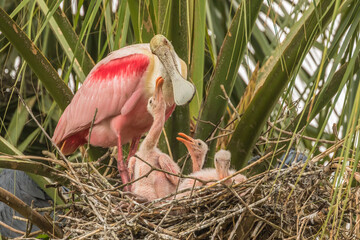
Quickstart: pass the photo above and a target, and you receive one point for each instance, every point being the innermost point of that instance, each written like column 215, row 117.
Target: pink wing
column 170, row 166
column 113, row 86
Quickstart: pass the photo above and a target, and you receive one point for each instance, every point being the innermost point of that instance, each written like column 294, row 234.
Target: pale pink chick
column 197, row 149
column 156, row 184
column 225, row 155
column 222, row 162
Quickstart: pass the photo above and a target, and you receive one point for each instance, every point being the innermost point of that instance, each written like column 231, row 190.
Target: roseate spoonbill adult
column 197, row 149
column 119, row 87
column 22, row 186
column 156, row 184
column 222, row 161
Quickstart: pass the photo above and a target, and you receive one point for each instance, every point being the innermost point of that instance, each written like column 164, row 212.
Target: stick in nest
column 25, row 210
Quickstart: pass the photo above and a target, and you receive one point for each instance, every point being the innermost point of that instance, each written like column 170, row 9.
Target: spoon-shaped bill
column 183, row 90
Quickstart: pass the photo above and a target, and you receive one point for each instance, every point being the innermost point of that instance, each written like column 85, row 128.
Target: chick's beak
column 187, row 140
column 190, row 144
column 158, row 87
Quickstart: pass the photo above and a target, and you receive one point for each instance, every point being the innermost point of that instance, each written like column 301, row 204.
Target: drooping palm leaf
column 275, row 75
column 229, row 59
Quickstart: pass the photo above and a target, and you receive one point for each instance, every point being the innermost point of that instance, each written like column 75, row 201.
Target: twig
column 21, row 207
column 233, row 232
column 34, row 167
column 209, row 222
column 11, row 228
column 257, row 216
column 88, row 143
column 42, row 129
column 229, row 102
column 297, row 135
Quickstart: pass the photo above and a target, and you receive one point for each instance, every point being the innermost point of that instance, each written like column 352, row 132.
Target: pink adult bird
column 156, row 184
column 119, row 87
column 222, row 161
column 197, row 149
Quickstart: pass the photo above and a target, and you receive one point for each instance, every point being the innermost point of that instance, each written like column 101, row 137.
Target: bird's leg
column 124, row 174
column 133, row 147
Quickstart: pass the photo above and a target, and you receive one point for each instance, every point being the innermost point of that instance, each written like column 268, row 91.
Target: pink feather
column 116, row 87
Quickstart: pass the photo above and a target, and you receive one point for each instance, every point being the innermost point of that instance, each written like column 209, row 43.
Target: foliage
column 306, row 92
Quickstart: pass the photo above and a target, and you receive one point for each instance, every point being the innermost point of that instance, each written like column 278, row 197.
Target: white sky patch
column 17, row 63
column 298, row 17
column 243, row 73
column 211, row 33
column 342, row 39
column 314, row 122
column 295, row 93
column 62, row 5
column 340, row 102
column 333, row 119
column 306, row 93
column 356, row 140
column 277, row 9
column 73, row 6
column 317, row 54
column 282, row 36
column 250, row 48
column 71, row 83
column 322, row 149
column 287, row 6
column 259, row 25
column 13, row 74
column 250, row 64
column 114, row 5
column 300, row 106
column 268, row 22
column 286, row 30
column 340, row 132
column 309, row 65
column 301, row 85
column 328, row 69
column 82, row 11
column 59, row 72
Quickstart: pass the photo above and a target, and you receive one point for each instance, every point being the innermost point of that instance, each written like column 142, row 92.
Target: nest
column 291, row 203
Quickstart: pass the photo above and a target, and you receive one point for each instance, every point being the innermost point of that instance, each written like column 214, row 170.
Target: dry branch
column 35, row 217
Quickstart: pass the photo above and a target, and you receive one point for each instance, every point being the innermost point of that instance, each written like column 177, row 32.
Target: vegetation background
column 299, row 60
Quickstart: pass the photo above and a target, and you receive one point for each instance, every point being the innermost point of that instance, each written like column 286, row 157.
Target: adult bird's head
column 183, row 90
column 197, row 149
column 222, row 163
column 156, row 103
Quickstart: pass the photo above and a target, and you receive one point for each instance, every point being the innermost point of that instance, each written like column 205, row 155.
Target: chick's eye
column 199, row 144
column 150, row 100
